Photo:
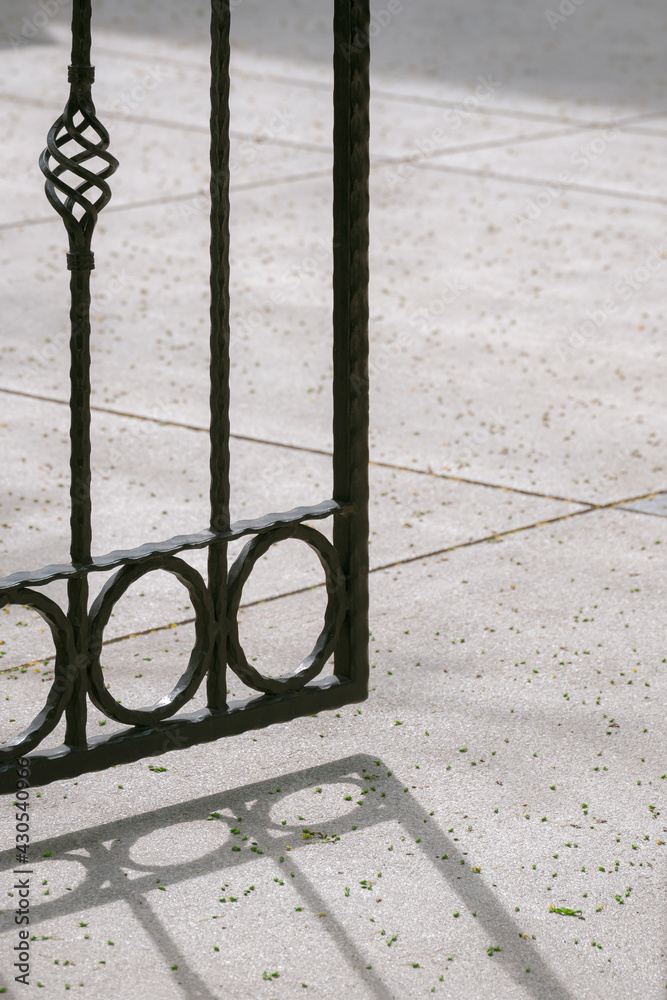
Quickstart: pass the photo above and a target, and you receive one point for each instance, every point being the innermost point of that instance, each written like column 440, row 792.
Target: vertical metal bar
column 81, row 37
column 81, row 509
column 80, row 517
column 220, row 369
column 350, row 322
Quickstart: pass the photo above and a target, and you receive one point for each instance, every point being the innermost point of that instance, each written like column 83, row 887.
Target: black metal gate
column 77, row 138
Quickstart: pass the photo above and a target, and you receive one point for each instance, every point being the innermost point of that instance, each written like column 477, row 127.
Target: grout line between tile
column 376, row 569
column 481, row 482
column 383, row 161
column 176, row 198
column 650, row 132
column 644, row 513
column 384, row 94
column 302, row 448
column 428, row 158
column 518, row 114
column 592, row 508
column 204, row 129
column 541, row 182
column 473, row 147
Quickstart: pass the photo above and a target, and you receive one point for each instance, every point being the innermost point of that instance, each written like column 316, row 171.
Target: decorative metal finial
column 78, row 212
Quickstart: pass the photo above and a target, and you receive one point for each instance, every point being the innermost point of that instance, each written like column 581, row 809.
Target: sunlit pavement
column 442, row 838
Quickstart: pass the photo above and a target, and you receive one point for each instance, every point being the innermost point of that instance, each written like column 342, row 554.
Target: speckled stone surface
column 492, row 822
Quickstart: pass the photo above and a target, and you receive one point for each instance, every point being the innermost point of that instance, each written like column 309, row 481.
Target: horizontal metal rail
column 179, row 543
column 186, row 730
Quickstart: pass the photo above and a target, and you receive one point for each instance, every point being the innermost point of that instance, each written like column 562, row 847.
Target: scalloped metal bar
column 179, row 543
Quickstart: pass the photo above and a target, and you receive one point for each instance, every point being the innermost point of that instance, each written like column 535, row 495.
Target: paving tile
column 477, row 318
column 547, row 340
column 523, row 355
column 172, row 308
column 266, row 293
column 535, row 592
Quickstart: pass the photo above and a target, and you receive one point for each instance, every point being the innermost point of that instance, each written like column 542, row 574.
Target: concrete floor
column 518, row 500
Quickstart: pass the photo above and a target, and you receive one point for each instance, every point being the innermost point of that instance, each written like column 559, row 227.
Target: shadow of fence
column 105, row 854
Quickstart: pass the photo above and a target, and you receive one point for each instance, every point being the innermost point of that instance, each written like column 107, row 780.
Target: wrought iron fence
column 76, row 142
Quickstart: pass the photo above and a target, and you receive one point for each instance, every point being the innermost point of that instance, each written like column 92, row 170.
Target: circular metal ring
column 200, row 656
column 67, row 665
column 333, row 617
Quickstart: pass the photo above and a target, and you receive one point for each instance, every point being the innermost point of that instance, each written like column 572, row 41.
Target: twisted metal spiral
column 66, row 129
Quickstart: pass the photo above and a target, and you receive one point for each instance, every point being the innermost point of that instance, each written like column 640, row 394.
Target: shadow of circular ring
column 66, row 668
column 334, row 615
column 200, row 657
